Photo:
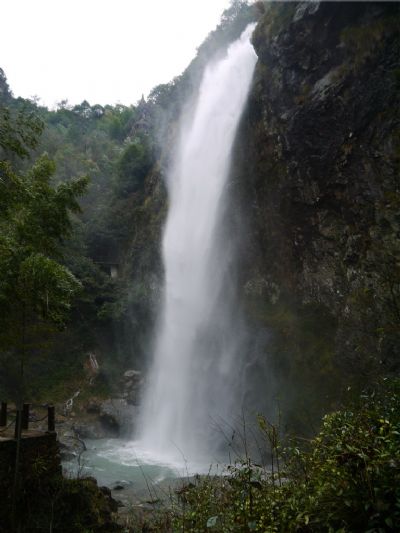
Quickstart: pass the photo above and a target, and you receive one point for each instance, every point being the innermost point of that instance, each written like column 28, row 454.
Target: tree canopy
column 36, row 290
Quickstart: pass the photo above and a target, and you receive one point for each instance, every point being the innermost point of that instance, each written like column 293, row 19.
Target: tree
column 36, row 290
column 133, row 166
column 19, row 131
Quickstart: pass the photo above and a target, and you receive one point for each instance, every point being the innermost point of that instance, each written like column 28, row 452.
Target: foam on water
column 117, row 461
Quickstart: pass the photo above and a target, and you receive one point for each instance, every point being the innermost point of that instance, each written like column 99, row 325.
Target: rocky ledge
column 100, row 418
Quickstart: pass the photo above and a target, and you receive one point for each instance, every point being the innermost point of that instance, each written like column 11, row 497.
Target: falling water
column 192, row 381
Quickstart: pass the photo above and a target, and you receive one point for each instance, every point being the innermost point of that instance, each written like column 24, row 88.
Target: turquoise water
column 120, row 462
column 116, row 461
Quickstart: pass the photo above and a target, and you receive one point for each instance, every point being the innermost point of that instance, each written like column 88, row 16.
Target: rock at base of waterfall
column 117, row 415
column 93, row 407
column 130, row 386
column 71, row 445
column 95, row 430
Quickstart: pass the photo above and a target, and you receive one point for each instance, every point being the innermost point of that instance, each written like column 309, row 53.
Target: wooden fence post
column 3, row 414
column 17, row 430
column 25, row 416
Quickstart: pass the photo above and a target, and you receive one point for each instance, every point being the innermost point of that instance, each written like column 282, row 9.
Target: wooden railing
column 24, row 414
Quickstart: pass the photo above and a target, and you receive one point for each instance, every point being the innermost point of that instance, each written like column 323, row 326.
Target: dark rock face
column 117, row 415
column 131, row 386
column 317, row 176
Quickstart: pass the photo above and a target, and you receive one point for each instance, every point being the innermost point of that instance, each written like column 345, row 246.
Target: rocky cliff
column 317, row 182
column 315, row 200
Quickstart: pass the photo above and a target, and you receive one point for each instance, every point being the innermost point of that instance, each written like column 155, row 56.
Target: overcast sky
column 104, row 51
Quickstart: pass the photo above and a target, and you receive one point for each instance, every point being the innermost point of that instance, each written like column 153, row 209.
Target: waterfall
column 192, row 381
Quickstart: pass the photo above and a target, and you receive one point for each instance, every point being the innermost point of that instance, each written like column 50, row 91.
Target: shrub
column 346, row 479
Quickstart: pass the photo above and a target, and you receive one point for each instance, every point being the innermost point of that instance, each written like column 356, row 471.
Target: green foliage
column 113, row 146
column 234, row 20
column 79, row 505
column 46, row 285
column 301, row 356
column 122, row 212
column 36, row 212
column 35, row 289
column 19, row 130
column 5, row 93
column 277, row 17
column 163, row 94
column 54, row 503
column 361, row 41
column 33, row 219
column 346, row 479
column 118, row 121
column 132, row 167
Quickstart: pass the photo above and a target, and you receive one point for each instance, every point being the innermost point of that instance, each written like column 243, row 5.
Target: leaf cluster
column 36, row 289
column 346, row 479
column 34, row 217
column 20, row 130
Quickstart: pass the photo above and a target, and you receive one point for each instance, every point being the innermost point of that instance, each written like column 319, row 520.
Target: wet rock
column 94, row 430
column 131, row 386
column 305, row 9
column 317, row 158
column 93, row 407
column 66, row 454
column 135, row 374
column 71, row 444
column 118, row 416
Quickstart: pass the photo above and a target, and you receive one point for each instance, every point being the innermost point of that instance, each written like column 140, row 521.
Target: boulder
column 117, row 415
column 132, row 374
column 95, row 429
column 71, row 445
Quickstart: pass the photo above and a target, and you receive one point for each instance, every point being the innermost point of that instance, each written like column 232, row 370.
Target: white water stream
column 195, row 368
column 196, row 380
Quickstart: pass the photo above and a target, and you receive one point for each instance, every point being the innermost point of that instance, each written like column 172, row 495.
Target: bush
column 346, row 479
